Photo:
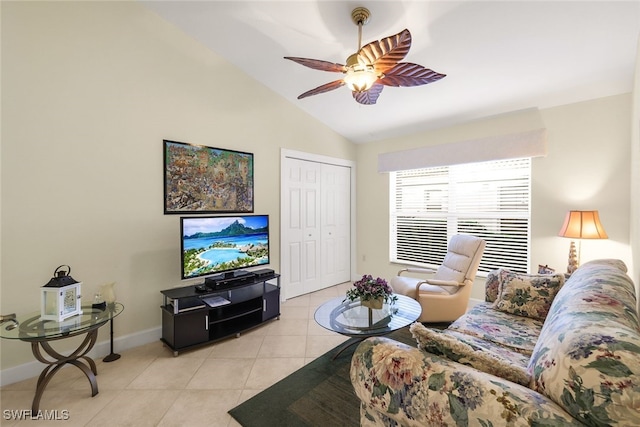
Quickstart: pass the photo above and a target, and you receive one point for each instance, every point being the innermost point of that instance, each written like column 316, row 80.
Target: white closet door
column 316, row 226
column 336, row 224
column 301, row 250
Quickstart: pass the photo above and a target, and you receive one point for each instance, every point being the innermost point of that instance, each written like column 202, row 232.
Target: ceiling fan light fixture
column 360, row 78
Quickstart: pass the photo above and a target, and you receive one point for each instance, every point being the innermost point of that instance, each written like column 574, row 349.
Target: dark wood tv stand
column 189, row 322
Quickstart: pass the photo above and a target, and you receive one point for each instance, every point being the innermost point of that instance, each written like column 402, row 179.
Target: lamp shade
column 583, row 225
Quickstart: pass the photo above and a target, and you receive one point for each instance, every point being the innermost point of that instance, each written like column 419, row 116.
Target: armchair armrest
column 443, row 282
column 401, row 384
column 418, row 270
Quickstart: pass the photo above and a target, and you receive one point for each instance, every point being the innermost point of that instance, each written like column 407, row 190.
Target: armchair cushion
column 528, row 295
column 459, row 259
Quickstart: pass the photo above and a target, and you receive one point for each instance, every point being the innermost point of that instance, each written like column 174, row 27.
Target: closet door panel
column 336, row 224
column 316, row 226
column 302, row 227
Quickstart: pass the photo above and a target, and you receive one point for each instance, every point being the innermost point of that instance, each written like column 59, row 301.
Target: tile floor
column 147, row 386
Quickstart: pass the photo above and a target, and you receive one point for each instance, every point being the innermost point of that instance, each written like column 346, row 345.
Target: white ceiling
column 499, row 56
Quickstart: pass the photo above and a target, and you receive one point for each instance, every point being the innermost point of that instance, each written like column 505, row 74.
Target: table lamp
column 580, row 225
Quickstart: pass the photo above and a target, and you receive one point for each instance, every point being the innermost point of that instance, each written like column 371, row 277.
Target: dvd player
column 265, row 272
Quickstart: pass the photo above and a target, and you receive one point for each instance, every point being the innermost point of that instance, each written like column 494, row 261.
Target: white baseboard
column 101, row 349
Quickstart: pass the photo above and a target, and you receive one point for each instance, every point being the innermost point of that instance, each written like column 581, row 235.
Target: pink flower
column 395, row 367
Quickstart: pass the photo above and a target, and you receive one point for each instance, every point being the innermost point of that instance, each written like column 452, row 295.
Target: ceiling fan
column 373, row 66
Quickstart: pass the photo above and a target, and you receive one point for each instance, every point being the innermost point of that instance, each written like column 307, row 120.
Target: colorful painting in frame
column 200, row 179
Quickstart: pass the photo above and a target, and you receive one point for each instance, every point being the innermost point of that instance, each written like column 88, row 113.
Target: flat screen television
column 223, row 245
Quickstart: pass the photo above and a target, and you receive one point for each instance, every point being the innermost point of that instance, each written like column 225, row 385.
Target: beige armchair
column 444, row 296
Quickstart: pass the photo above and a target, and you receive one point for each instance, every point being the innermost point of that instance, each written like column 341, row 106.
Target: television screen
column 216, row 244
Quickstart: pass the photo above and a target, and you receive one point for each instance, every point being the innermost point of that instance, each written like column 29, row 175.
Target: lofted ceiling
column 499, row 56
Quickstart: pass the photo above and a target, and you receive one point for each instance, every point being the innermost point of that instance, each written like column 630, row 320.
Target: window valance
column 525, row 144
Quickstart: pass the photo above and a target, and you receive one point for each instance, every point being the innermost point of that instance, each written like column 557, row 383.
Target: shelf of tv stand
column 187, row 322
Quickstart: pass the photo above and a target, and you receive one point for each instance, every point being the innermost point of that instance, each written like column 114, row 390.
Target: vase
column 375, row 304
column 108, row 293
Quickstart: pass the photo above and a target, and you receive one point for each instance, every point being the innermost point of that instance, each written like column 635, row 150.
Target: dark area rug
column 318, row 394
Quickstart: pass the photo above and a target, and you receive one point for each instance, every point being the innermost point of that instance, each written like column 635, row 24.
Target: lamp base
column 573, row 259
column 111, row 357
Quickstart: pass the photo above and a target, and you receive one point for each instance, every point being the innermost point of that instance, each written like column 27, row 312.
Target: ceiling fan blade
column 386, row 53
column 317, row 64
column 368, row 97
column 407, row 74
column 322, row 89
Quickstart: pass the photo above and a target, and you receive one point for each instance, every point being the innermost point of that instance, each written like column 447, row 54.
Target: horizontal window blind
column 490, row 200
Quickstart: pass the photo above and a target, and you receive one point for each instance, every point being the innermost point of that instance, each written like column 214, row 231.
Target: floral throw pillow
column 491, row 286
column 528, row 295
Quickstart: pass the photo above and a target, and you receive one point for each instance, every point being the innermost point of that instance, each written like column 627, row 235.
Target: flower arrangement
column 369, row 288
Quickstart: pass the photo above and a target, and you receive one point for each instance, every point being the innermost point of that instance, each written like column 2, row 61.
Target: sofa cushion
column 512, row 355
column 587, row 358
column 473, row 352
column 515, row 332
column 528, row 295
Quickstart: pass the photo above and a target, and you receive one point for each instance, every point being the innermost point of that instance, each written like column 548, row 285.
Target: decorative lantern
column 60, row 298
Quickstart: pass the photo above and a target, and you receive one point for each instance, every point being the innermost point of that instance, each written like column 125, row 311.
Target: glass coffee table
column 351, row 319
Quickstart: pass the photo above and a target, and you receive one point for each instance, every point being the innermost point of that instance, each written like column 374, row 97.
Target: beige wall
column 587, row 167
column 89, row 91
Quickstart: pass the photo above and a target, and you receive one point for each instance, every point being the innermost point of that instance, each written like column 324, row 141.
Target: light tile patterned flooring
column 147, row 386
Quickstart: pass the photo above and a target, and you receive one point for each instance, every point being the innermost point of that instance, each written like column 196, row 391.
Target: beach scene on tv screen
column 211, row 245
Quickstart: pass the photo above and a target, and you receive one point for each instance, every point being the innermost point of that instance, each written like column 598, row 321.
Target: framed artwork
column 200, row 179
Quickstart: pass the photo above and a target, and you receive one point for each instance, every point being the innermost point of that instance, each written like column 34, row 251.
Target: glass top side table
column 39, row 333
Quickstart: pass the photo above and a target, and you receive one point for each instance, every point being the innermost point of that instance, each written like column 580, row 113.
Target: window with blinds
column 490, row 200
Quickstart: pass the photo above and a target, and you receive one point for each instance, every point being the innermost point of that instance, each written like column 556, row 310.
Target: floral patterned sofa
column 539, row 352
